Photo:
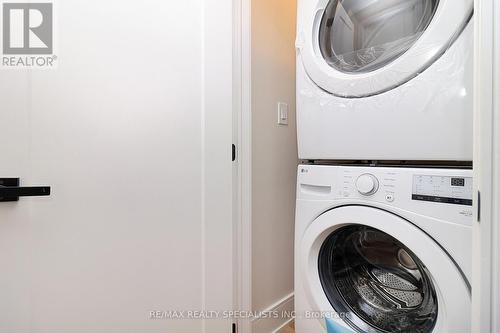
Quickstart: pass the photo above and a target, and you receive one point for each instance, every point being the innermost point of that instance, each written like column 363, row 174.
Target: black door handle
column 11, row 191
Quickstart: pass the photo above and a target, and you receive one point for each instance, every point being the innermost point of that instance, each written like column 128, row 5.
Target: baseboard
column 275, row 325
column 285, row 327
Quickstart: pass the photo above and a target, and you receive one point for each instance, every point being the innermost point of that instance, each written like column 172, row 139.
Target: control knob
column 367, row 184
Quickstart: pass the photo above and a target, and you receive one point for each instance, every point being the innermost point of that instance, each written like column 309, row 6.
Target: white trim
column 243, row 44
column 285, row 325
column 486, row 267
column 217, row 246
column 236, row 141
column 274, row 325
column 495, row 198
column 276, row 305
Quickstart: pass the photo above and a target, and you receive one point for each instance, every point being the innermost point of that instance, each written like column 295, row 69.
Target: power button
column 390, row 197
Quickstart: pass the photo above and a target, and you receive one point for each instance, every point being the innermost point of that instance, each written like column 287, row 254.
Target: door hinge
column 235, row 328
column 234, row 152
column 479, row 206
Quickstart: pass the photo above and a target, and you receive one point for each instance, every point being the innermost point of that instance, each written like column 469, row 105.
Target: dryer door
column 380, row 273
column 359, row 48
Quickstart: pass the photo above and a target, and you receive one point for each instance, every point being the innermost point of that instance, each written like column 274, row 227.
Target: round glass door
column 377, row 282
column 360, row 36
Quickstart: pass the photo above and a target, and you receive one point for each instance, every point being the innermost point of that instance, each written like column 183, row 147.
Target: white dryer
column 383, row 250
column 385, row 79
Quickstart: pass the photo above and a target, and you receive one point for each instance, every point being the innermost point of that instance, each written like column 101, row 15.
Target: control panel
column 445, row 194
column 443, row 189
column 378, row 185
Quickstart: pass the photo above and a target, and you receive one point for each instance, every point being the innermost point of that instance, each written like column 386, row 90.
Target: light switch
column 282, row 113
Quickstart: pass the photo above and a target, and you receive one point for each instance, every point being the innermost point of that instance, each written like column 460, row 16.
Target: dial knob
column 367, row 184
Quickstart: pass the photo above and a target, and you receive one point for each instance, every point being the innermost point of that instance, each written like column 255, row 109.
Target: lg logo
column 27, row 28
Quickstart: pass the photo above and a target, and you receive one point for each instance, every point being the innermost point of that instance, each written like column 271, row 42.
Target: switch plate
column 282, row 113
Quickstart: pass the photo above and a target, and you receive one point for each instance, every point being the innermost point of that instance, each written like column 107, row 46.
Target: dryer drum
column 357, row 36
column 377, row 283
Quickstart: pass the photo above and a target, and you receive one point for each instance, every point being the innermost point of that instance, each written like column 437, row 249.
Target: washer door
column 358, row 48
column 380, row 273
column 377, row 279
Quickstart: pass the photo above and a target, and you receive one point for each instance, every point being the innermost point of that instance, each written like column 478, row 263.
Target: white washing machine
column 383, row 250
column 385, row 79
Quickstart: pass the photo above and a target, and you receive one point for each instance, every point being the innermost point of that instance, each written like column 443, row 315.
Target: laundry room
column 249, row 166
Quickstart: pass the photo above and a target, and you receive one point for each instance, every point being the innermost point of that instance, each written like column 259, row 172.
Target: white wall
column 274, row 156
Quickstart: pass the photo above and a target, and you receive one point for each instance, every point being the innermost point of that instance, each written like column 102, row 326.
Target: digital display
column 443, row 189
column 458, row 182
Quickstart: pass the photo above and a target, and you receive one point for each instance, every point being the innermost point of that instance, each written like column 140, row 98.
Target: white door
column 132, row 130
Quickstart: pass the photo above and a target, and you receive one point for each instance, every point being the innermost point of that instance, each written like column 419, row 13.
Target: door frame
column 486, row 261
column 218, row 95
column 486, row 256
column 242, row 122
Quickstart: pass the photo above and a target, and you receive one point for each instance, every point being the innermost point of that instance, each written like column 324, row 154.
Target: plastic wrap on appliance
column 372, row 57
column 452, row 67
column 357, row 51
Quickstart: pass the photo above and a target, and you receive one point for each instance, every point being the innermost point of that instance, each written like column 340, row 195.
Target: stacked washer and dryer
column 384, row 196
